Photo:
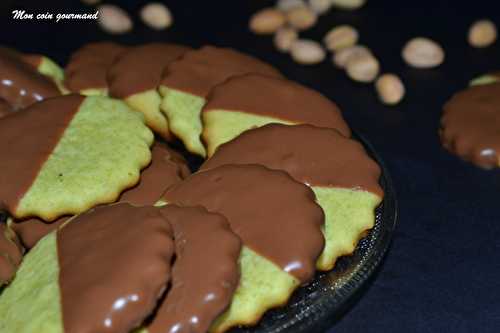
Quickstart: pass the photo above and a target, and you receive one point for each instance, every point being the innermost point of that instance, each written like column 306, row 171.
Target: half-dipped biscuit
column 279, row 223
column 86, row 72
column 67, row 154
column 119, row 267
column 250, row 101
column 167, row 167
column 135, row 77
column 103, row 271
column 188, row 81
column 338, row 170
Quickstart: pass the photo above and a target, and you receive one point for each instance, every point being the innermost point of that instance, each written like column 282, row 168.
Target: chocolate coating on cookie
column 470, row 125
column 88, row 66
column 205, row 272
column 11, row 254
column 312, row 155
column 26, row 140
column 273, row 214
column 277, row 98
column 167, row 168
column 198, row 71
column 20, row 83
column 114, row 264
column 141, row 67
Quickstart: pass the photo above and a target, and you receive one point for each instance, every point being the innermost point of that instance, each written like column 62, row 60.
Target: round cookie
column 167, row 167
column 66, row 168
column 269, row 211
column 86, row 72
column 127, row 249
column 188, row 81
column 470, row 125
column 11, row 254
column 131, row 256
column 486, row 79
column 252, row 100
column 135, row 77
column 205, row 273
column 338, row 170
column 26, row 79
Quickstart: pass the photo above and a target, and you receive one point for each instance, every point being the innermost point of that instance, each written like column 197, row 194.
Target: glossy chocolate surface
column 312, row 155
column 27, row 139
column 205, row 272
column 198, row 71
column 277, row 98
column 20, row 83
column 470, row 125
column 273, row 214
column 114, row 265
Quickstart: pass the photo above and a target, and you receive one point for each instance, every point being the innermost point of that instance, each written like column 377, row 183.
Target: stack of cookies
column 107, row 228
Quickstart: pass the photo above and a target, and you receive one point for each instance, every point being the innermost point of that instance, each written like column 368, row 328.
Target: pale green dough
column 49, row 68
column 100, row 154
column 183, row 111
column 221, row 126
column 31, row 303
column 263, row 286
column 348, row 214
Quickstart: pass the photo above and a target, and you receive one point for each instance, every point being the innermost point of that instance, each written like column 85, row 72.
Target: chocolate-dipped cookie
column 102, row 272
column 26, row 79
column 113, row 267
column 135, row 77
column 205, row 273
column 470, row 125
column 80, row 152
column 270, row 212
column 252, row 100
column 167, row 167
column 338, row 170
column 86, row 72
column 188, row 81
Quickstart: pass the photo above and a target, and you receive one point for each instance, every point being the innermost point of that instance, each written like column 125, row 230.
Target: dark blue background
column 442, row 273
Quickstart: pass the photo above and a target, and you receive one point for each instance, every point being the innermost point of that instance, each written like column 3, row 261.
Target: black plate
column 315, row 307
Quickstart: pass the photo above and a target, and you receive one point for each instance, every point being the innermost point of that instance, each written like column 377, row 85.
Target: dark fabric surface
column 442, row 272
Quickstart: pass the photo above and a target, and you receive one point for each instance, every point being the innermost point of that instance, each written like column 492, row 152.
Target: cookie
column 338, row 170
column 486, row 79
column 26, row 79
column 135, row 253
column 187, row 83
column 269, row 211
column 167, row 167
column 86, row 72
column 127, row 249
column 470, row 125
column 205, row 273
column 11, row 254
column 76, row 152
column 135, row 77
column 231, row 109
